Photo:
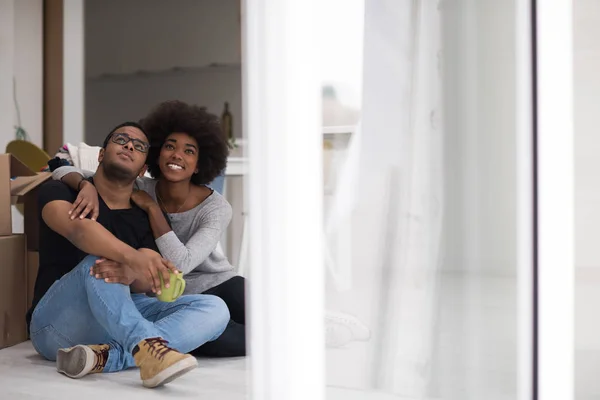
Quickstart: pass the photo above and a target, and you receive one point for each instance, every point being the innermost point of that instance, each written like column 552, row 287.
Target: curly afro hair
column 176, row 116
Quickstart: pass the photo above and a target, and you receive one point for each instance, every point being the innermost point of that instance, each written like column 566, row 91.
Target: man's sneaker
column 78, row 361
column 344, row 328
column 160, row 364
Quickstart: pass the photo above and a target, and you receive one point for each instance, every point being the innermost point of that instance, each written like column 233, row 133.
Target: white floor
column 26, row 375
column 473, row 356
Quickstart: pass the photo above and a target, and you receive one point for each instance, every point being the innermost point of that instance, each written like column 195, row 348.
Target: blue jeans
column 80, row 309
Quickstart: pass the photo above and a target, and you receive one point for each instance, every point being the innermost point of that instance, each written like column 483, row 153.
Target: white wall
column 111, row 101
column 587, row 132
column 28, row 65
column 7, row 45
column 123, row 39
column 73, row 71
column 480, row 139
column 21, row 56
column 586, row 81
column 131, row 35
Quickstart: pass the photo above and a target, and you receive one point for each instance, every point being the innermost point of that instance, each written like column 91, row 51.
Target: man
column 103, row 325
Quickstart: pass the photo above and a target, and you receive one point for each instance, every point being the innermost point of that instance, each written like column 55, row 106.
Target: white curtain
column 389, row 200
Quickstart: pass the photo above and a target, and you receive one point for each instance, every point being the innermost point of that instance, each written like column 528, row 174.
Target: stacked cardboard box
column 18, row 185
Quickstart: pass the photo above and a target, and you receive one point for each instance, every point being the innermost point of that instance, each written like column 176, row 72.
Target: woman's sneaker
column 79, row 361
column 160, row 364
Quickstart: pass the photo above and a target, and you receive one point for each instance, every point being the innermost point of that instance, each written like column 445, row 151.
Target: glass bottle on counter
column 227, row 123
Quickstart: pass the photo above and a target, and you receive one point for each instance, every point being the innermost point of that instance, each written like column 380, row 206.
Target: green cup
column 176, row 288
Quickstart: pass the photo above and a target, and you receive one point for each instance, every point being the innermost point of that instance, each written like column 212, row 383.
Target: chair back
column 29, row 154
column 218, row 184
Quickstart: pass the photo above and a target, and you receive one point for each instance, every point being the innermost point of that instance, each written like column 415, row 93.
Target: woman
column 188, row 151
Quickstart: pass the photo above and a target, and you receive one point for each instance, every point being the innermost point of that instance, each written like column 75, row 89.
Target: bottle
column 227, row 123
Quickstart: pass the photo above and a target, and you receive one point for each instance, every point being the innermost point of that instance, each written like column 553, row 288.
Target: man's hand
column 86, row 202
column 112, row 272
column 148, row 265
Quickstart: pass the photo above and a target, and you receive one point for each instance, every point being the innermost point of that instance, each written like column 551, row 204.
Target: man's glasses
column 122, row 139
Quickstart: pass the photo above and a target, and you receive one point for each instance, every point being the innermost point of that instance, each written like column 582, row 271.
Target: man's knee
column 215, row 307
column 87, row 263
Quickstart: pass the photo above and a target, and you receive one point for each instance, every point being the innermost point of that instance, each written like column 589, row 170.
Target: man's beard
column 116, row 172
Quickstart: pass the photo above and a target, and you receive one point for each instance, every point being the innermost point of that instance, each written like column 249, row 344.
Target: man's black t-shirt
column 58, row 256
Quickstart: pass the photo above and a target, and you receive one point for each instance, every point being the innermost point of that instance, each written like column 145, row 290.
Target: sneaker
column 160, row 364
column 359, row 330
column 76, row 362
column 337, row 335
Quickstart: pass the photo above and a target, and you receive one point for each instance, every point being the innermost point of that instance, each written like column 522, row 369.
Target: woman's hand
column 143, row 200
column 86, row 202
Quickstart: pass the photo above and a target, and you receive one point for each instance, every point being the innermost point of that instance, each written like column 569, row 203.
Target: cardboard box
column 33, row 262
column 18, row 185
column 13, row 290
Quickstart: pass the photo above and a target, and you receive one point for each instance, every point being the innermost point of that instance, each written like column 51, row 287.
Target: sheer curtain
column 388, row 204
